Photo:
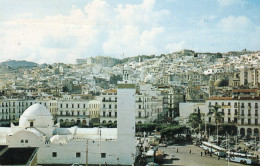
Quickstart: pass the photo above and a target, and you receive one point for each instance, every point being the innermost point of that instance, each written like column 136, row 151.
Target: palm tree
column 217, row 115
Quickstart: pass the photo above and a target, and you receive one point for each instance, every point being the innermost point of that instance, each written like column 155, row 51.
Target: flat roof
column 17, row 156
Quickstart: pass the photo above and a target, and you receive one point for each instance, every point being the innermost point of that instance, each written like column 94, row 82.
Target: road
column 194, row 158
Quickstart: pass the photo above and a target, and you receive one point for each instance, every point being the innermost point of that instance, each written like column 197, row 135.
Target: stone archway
column 249, row 131
column 104, row 121
column 72, row 120
column 139, row 122
column 256, row 132
column 84, row 122
column 61, row 120
column 78, row 121
column 110, row 121
column 242, row 132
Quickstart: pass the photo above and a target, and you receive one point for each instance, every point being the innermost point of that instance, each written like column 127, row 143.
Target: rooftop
column 17, row 156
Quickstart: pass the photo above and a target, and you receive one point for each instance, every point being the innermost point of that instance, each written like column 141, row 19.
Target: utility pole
column 87, row 154
column 100, row 145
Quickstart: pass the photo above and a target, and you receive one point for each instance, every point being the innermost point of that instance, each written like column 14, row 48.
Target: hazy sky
column 64, row 30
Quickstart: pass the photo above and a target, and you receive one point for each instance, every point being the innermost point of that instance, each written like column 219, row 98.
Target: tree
column 216, row 114
column 195, row 120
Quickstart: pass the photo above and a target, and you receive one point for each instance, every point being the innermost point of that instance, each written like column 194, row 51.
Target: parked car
column 152, row 164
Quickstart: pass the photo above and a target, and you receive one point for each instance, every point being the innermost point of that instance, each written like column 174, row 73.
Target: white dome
column 149, row 79
column 57, row 139
column 39, row 115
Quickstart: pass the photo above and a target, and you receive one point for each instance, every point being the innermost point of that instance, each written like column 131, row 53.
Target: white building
column 114, row 146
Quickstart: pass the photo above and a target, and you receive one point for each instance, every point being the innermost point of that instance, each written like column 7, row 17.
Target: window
column 109, row 106
column 72, row 105
column 31, row 124
column 209, row 103
column 249, row 112
column 249, row 121
column 235, row 120
column 209, row 119
column 22, row 141
column 104, row 114
column 228, row 120
column 115, row 106
column 222, row 103
column 256, row 121
column 229, row 103
column 139, row 114
column 115, row 114
column 78, row 105
column 235, row 111
column 78, row 154
column 26, row 141
column 67, row 105
column 228, row 111
column 242, row 121
column 256, row 112
column 103, row 155
column 109, row 114
column 54, row 154
column 60, row 105
column 140, row 106
column 242, row 113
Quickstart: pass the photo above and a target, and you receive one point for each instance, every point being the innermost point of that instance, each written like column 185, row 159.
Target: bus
column 243, row 158
column 217, row 150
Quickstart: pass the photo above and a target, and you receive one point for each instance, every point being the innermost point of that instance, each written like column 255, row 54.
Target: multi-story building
column 73, row 111
column 62, row 110
column 149, row 104
column 242, row 111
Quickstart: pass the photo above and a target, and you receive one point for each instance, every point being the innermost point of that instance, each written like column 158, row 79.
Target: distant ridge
column 16, row 64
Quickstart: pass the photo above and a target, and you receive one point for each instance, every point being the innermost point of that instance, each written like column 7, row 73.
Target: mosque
column 86, row 146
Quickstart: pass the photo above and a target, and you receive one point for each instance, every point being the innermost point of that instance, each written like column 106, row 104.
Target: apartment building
column 242, row 111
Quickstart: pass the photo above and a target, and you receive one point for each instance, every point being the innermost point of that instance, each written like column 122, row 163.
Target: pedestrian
column 218, row 157
column 105, row 163
column 177, row 150
column 190, row 151
column 205, row 152
column 201, row 153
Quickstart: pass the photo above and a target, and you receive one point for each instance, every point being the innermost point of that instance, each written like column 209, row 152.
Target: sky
column 52, row 31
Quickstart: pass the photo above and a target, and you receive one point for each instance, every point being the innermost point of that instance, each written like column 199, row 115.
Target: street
column 194, row 158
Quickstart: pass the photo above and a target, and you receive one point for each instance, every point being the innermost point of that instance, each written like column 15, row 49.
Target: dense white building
column 114, row 146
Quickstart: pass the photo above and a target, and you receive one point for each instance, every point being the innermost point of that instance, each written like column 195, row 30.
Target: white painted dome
column 59, row 139
column 36, row 116
column 149, row 79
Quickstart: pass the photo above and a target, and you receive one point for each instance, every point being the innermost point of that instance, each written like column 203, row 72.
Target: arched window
column 22, row 141
column 26, row 141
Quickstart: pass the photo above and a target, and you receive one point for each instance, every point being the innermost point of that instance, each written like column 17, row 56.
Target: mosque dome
column 149, row 79
column 36, row 116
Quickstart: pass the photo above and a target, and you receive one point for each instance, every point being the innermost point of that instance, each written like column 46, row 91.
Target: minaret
column 126, row 116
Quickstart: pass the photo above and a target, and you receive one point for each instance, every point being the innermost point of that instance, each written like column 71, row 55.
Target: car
column 152, row 164
column 76, row 164
column 172, row 157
